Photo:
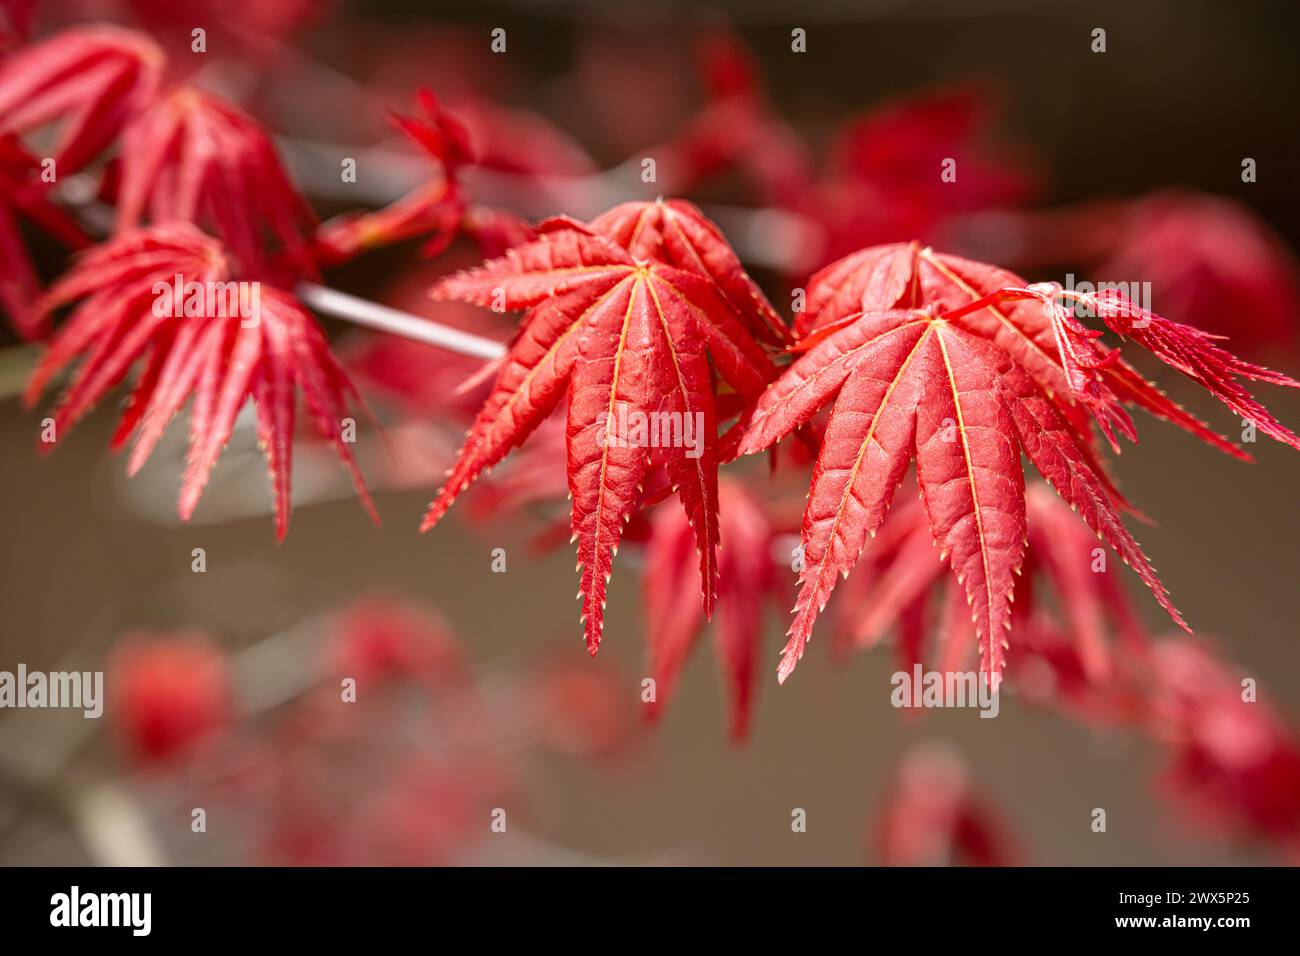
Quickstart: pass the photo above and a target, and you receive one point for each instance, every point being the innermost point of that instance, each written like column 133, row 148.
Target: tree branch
column 375, row 316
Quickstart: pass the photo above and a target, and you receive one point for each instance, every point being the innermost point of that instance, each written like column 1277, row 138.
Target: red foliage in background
column 934, row 816
column 171, row 695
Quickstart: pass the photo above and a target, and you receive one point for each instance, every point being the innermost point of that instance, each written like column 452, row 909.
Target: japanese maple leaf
column 24, row 197
column 961, row 366
column 438, row 209
column 882, row 277
column 194, row 158
column 616, row 326
column 746, row 577
column 222, row 361
column 90, row 81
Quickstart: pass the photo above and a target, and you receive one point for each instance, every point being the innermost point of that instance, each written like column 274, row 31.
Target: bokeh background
column 1184, row 91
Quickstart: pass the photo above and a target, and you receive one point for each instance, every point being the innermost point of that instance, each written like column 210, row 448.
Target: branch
column 375, row 316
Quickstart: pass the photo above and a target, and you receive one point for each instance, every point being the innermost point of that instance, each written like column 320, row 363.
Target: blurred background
column 477, row 694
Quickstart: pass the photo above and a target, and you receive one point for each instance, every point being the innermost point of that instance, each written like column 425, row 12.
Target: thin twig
column 375, row 316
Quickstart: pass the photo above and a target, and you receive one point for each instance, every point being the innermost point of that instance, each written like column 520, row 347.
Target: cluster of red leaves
column 88, row 82
column 187, row 162
column 1233, row 761
column 407, row 774
column 191, row 157
column 959, row 365
column 200, row 193
column 623, row 316
column 222, row 361
column 963, row 367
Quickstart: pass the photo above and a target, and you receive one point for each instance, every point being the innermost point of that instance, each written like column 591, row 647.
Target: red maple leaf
column 194, row 158
column 959, row 365
column 629, row 317
column 218, row 356
column 438, row 208
column 89, row 80
column 746, row 577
